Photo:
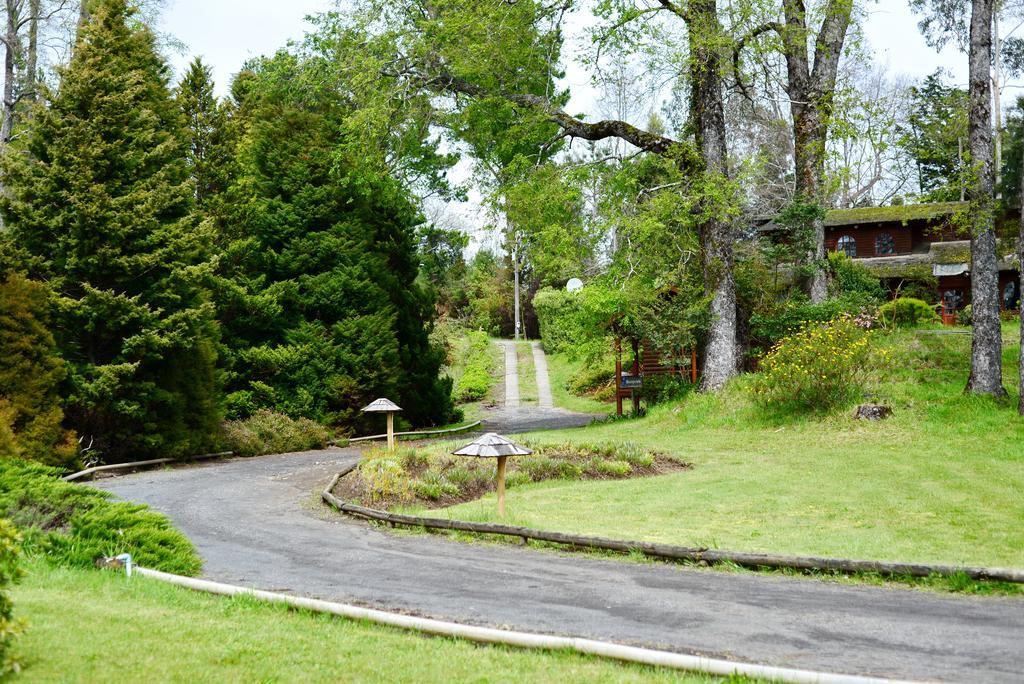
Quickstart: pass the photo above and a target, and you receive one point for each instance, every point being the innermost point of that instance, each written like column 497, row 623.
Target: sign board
column 631, row 381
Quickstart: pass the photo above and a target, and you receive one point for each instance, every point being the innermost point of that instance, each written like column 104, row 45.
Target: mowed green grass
column 92, row 626
column 560, row 371
column 941, row 481
column 527, row 373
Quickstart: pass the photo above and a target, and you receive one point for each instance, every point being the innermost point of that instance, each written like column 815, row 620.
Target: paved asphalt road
column 257, row 522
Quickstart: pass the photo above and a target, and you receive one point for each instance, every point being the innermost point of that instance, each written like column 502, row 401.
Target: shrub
column 591, row 377
column 612, row 468
column 517, row 478
column 475, row 381
column 30, row 375
column 965, row 316
column 558, row 315
column 73, row 524
column 267, row 432
column 385, row 480
column 434, row 486
column 767, row 328
column 815, row 370
column 10, row 573
column 907, row 312
column 544, row 468
column 853, row 281
column 635, row 455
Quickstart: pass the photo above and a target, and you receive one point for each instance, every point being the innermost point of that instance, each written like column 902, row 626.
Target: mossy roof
column 896, row 214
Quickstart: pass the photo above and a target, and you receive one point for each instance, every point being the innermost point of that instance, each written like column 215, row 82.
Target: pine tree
column 325, row 314
column 205, row 126
column 30, row 376
column 101, row 199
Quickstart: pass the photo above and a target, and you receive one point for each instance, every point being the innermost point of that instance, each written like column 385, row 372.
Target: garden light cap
column 382, row 406
column 492, row 445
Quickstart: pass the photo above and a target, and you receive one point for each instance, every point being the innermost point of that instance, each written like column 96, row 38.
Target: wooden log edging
column 418, row 433
column 139, row 464
column 755, row 561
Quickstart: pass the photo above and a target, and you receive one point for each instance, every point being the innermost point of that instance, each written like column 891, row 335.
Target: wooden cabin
column 922, row 243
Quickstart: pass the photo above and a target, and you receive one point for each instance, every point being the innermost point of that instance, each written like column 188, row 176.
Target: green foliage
column 384, row 479
column 935, row 137
column 489, row 294
column 10, row 573
column 853, row 281
column 318, row 294
column 74, row 524
column 443, row 266
column 99, row 199
column 30, row 376
column 771, row 325
column 592, row 377
column 266, row 432
column 818, row 369
column 206, row 128
column 434, row 486
column 907, row 312
column 965, row 316
column 559, row 318
column 475, row 381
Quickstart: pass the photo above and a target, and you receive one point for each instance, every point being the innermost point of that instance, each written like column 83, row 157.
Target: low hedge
column 268, row 432
column 73, row 524
column 475, row 381
column 907, row 312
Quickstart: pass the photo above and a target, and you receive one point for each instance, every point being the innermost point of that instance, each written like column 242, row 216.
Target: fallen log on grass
column 672, row 552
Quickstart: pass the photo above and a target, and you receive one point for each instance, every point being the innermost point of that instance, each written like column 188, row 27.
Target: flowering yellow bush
column 815, row 370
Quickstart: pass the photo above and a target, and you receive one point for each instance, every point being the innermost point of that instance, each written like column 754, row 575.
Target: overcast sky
column 228, row 32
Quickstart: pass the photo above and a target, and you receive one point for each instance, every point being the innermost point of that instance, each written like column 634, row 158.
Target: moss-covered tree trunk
column 986, row 344
column 716, row 234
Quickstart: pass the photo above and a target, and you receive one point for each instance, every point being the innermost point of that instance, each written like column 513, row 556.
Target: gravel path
column 257, row 522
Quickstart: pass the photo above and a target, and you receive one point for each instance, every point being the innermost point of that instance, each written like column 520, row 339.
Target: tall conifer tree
column 100, row 198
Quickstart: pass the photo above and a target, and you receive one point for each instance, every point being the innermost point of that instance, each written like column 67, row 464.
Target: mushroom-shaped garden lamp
column 390, row 408
column 493, row 445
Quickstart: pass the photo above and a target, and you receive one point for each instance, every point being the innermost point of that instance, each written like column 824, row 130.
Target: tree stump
column 872, row 412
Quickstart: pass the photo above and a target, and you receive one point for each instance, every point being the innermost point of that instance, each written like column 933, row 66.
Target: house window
column 847, row 245
column 885, row 244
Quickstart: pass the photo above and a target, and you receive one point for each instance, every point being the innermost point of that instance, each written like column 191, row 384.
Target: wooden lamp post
column 493, row 445
column 390, row 408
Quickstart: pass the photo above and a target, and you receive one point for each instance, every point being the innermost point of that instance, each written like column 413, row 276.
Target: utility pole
column 515, row 272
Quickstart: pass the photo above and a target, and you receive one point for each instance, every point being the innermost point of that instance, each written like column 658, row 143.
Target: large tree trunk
column 986, row 344
column 32, row 56
column 716, row 235
column 809, row 135
column 1020, row 265
column 811, row 91
column 11, row 55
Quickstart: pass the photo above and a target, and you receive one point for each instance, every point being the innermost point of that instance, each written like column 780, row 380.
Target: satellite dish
column 574, row 285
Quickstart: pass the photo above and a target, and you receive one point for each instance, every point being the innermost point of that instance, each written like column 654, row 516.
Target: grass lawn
column 940, row 481
column 527, row 373
column 90, row 626
column 560, row 370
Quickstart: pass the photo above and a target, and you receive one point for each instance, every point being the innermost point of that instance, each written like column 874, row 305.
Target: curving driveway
column 258, row 522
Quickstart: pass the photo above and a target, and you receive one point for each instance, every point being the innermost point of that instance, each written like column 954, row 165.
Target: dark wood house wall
column 865, row 239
